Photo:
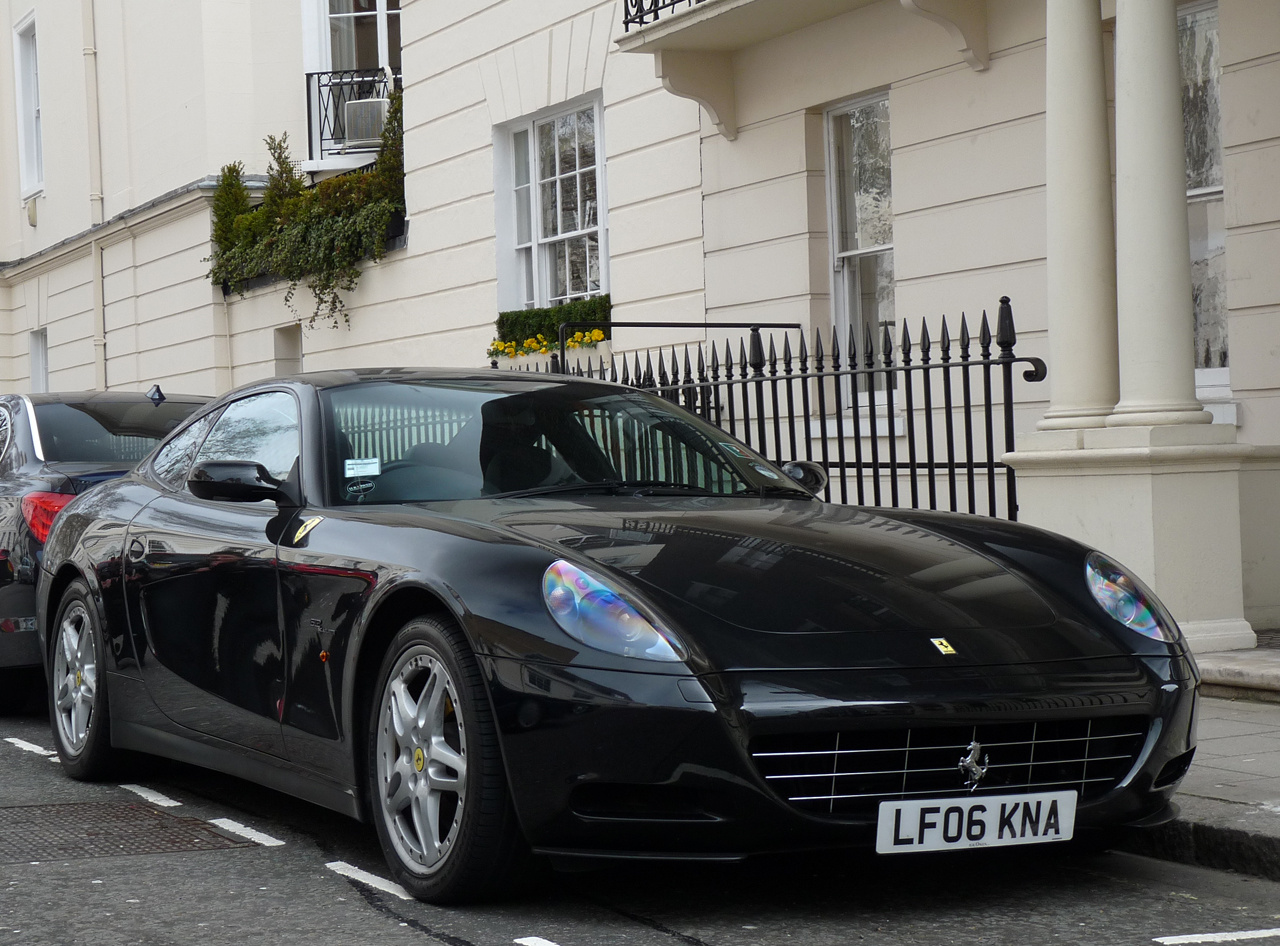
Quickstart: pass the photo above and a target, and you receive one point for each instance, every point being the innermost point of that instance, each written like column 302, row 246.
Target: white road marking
column 236, row 827
column 534, row 941
column 30, row 746
column 164, row 801
column 368, row 879
column 1220, row 937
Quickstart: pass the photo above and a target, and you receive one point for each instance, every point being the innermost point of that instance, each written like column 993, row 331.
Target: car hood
column 784, row 584
column 799, row 584
column 795, row 567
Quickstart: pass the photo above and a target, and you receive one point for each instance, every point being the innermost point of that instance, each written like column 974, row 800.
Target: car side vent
column 364, row 119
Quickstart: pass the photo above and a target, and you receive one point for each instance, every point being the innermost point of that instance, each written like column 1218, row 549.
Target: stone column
column 1084, row 380
column 1153, row 264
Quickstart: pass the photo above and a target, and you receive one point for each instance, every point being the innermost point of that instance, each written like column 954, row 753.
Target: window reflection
column 1201, row 114
column 262, row 428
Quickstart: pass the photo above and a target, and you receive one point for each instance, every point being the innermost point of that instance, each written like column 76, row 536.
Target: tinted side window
column 174, row 459
column 262, row 428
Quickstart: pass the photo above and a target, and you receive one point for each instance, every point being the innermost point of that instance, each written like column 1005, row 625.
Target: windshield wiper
column 652, row 487
column 795, row 491
column 633, row 487
column 646, row 488
column 608, row 486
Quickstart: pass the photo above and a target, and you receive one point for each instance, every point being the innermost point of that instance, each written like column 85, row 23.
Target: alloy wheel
column 421, row 760
column 75, row 678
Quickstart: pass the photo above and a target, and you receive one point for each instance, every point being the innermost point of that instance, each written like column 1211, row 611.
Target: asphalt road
column 104, row 864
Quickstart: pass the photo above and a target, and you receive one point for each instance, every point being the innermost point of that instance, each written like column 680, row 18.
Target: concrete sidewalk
column 1230, row 799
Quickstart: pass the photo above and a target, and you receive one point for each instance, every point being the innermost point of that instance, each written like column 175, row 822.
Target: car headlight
column 1127, row 599
column 593, row 613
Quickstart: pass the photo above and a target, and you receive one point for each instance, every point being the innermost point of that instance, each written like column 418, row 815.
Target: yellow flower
column 543, row 351
column 597, row 335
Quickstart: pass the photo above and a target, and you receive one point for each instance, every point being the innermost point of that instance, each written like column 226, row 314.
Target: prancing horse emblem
column 973, row 765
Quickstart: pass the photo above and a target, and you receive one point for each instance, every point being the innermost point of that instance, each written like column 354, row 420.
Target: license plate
column 944, row 824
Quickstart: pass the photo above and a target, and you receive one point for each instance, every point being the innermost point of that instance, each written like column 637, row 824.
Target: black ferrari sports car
column 502, row 613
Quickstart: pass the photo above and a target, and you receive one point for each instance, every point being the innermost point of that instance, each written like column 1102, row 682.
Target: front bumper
column 603, row 763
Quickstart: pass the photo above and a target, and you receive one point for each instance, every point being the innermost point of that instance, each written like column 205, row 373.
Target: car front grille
column 847, row 774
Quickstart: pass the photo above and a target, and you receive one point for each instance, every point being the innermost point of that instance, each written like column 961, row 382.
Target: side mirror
column 812, row 476
column 237, row 481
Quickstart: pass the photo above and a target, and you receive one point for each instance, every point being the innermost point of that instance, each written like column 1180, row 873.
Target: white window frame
column 841, row 259
column 317, row 52
column 521, row 265
column 317, row 56
column 26, row 67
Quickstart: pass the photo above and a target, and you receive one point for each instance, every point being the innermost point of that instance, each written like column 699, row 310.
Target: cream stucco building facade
column 826, row 162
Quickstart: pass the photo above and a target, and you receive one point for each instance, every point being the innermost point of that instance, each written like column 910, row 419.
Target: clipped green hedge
column 520, row 324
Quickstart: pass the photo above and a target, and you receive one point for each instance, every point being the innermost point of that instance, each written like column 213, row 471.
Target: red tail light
column 40, row 509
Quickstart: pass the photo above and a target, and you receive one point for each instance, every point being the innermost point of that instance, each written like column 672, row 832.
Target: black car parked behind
column 53, row 447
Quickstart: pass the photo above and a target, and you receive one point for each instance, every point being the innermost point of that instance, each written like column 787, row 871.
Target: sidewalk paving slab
column 1229, row 802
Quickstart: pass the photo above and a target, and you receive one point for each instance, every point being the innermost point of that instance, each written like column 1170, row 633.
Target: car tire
column 437, row 788
column 78, row 705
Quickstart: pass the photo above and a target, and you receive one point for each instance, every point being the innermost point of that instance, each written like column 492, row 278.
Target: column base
column 1213, row 636
column 1073, row 419
column 1159, row 417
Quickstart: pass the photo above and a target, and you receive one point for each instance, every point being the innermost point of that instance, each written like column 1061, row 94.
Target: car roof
column 108, row 397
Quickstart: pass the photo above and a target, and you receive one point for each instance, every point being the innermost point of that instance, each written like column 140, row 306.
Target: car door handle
column 137, row 550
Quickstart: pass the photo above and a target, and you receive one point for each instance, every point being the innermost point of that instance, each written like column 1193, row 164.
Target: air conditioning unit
column 363, row 120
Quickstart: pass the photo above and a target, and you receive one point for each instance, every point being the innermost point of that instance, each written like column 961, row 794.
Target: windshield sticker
column 365, row 466
column 735, row 450
column 359, row 487
column 764, row 470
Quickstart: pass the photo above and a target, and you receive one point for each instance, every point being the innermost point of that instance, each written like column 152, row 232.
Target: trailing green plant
column 518, row 327
column 314, row 236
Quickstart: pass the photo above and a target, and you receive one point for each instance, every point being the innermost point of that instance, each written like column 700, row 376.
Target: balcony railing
column 639, row 13
column 327, row 96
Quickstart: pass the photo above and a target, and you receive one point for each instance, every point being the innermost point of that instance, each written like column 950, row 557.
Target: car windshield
column 106, row 431
column 412, row 441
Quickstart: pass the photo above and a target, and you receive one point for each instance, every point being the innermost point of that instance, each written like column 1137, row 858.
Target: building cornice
column 178, row 202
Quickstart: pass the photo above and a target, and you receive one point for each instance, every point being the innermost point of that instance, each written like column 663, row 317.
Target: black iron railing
column 895, row 421
column 327, row 96
column 641, row 12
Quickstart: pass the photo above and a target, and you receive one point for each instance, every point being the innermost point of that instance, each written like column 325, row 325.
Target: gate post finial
column 1006, row 337
column 757, row 353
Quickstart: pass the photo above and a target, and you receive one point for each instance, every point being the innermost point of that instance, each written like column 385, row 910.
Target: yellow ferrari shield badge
column 943, row 646
column 306, row 527
column 419, row 760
